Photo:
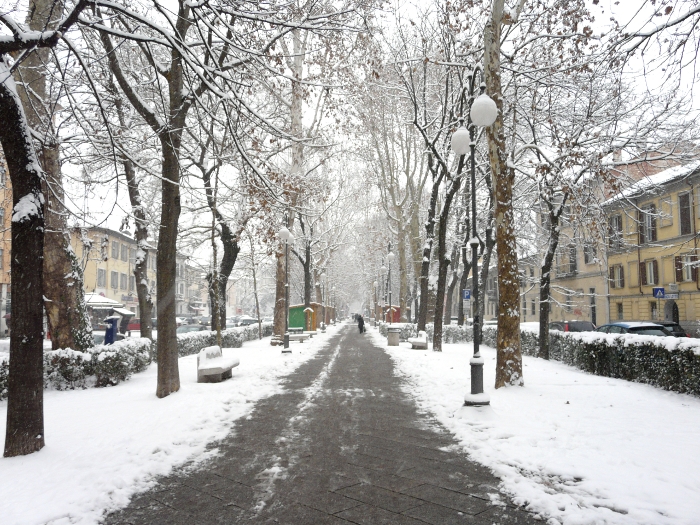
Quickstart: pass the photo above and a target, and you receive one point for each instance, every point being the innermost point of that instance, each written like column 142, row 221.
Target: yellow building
column 653, row 243
column 107, row 258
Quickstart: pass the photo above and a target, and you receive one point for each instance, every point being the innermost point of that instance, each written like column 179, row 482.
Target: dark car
column 673, row 327
column 634, row 327
column 184, row 328
column 572, row 326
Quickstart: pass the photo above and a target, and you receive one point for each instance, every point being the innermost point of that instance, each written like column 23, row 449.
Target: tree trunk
column 443, row 261
column 453, row 283
column 279, row 311
column 427, row 250
column 545, row 285
column 141, row 261
column 403, row 274
column 509, row 360
column 168, row 370
column 467, row 266
column 63, row 277
column 25, row 391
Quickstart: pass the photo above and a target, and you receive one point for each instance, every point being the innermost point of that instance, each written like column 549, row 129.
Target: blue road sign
column 659, row 293
column 466, row 295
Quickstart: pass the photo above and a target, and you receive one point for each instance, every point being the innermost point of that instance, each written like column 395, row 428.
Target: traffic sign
column 671, row 296
column 466, row 295
column 659, row 293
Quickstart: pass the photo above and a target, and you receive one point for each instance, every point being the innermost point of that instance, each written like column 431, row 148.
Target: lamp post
column 382, row 270
column 323, row 300
column 334, row 313
column 482, row 112
column 375, row 302
column 390, row 258
column 286, row 236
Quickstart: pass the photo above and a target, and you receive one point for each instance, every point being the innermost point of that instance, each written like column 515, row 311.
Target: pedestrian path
column 343, row 444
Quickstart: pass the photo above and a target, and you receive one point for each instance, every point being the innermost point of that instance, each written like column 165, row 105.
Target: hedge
column 670, row 363
column 109, row 365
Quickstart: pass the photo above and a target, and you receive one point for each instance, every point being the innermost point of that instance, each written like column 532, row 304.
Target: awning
column 124, row 312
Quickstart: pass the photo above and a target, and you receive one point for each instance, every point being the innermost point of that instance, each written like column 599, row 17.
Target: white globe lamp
column 484, row 111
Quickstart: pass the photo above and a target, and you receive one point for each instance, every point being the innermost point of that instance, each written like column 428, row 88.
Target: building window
column 132, row 283
column 2, row 215
column 101, row 278
column 615, row 232
column 125, row 252
column 182, row 288
column 532, row 272
column 654, row 309
column 2, row 257
column 617, row 276
column 685, row 214
column 532, row 306
column 122, row 281
column 686, row 268
column 647, row 224
column 114, row 280
column 589, row 253
column 649, row 272
column 572, row 259
column 619, row 312
column 569, row 301
column 524, row 305
column 115, row 250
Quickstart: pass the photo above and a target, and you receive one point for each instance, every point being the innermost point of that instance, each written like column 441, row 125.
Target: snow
column 652, row 183
column 484, row 110
column 28, row 206
column 577, row 448
column 105, row 444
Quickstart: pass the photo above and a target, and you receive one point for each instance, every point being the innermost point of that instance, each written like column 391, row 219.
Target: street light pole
column 390, row 259
column 482, row 112
column 286, row 236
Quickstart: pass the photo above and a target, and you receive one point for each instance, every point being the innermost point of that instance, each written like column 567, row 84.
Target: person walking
column 360, row 323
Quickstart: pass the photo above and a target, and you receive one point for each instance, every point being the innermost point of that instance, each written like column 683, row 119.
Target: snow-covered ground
column 578, row 448
column 105, row 444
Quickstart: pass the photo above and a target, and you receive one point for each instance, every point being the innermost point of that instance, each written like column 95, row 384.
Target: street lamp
column 323, row 300
column 390, row 258
column 482, row 112
column 375, row 303
column 286, row 236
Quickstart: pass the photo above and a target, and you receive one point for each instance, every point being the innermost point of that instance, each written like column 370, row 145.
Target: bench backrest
column 210, row 352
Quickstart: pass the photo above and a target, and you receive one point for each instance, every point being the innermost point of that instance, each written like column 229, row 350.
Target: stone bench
column 420, row 342
column 212, row 367
column 298, row 337
column 310, row 333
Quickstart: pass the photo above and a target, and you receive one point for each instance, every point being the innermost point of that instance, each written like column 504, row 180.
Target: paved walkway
column 343, row 444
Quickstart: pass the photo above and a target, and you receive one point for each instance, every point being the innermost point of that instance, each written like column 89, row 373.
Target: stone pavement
column 343, row 444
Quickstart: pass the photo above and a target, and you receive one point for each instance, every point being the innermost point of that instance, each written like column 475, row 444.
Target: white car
column 180, row 321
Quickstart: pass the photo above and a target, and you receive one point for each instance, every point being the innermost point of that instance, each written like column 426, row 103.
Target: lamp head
column 460, row 141
column 390, row 257
column 484, row 111
column 285, row 235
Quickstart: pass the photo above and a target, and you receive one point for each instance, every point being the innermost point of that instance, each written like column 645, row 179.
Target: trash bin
column 393, row 336
column 111, row 331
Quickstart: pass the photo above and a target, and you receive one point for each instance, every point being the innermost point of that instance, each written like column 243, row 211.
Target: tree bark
column 25, row 392
column 449, row 302
column 63, row 277
column 509, row 360
column 545, row 284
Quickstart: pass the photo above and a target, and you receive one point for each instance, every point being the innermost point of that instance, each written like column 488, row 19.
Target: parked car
column 673, row 327
column 180, row 321
column 134, row 324
column 245, row 320
column 634, row 327
column 183, row 329
column 572, row 326
column 205, row 320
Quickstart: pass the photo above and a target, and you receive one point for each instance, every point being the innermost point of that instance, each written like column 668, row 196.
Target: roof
column 97, row 300
column 652, row 184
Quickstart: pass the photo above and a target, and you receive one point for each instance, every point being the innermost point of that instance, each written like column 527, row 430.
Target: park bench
column 420, row 342
column 298, row 337
column 310, row 333
column 212, row 367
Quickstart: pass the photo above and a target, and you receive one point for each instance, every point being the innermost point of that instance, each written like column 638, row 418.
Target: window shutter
column 652, row 233
column 640, row 226
column 643, row 273
column 694, row 271
column 622, row 276
column 678, row 262
column 685, row 215
column 612, row 277
column 655, row 266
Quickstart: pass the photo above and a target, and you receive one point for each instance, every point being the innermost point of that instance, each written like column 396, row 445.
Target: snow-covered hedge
column 192, row 342
column 109, row 365
column 670, row 363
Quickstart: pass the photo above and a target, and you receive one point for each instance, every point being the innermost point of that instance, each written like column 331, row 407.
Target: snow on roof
column 651, row 183
column 92, row 299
